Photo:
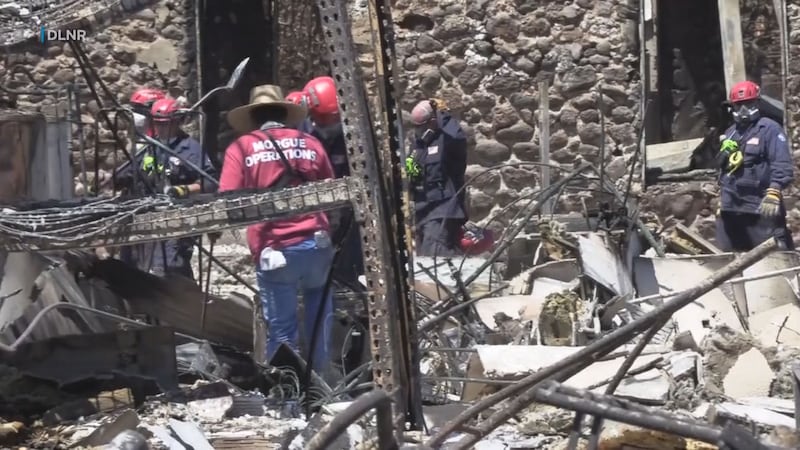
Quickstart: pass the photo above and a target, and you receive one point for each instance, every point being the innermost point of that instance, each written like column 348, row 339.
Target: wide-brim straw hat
column 240, row 118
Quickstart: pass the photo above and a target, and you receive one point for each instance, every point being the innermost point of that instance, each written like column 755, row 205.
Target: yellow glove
column 771, row 204
column 176, row 191
column 439, row 104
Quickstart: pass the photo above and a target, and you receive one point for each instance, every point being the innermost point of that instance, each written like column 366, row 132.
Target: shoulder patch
column 781, row 137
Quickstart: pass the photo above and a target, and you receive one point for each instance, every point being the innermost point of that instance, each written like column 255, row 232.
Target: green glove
column 412, row 168
column 735, row 158
column 729, row 145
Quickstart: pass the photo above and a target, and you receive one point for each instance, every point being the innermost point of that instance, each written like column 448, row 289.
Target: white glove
column 271, row 259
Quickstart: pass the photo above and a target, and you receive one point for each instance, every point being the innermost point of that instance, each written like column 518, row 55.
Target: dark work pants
column 438, row 238
column 740, row 232
column 350, row 263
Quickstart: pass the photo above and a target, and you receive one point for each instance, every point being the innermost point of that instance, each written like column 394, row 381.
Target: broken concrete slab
column 651, row 387
column 511, row 305
column 747, row 415
column 769, row 293
column 779, row 405
column 516, row 361
column 779, row 325
column 750, row 376
column 683, row 364
column 672, row 156
column 665, row 275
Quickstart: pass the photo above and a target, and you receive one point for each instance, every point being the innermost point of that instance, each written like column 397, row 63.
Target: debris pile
column 727, row 359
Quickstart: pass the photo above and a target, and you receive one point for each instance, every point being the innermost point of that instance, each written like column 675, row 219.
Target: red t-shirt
column 251, row 163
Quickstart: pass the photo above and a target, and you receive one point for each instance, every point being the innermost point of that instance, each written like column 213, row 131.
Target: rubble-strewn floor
column 708, row 364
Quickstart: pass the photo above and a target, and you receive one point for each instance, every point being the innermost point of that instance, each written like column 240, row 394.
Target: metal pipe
column 586, row 355
column 378, row 400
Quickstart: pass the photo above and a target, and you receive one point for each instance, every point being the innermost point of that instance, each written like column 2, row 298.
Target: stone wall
column 153, row 46
column 487, row 58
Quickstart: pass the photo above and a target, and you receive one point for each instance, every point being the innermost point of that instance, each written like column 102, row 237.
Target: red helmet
column 474, row 240
column 744, row 91
column 297, row 97
column 146, row 97
column 164, row 110
column 323, row 102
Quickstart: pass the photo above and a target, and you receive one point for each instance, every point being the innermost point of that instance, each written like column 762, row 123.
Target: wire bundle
column 75, row 223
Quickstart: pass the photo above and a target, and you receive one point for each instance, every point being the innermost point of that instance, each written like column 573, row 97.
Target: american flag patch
column 752, row 141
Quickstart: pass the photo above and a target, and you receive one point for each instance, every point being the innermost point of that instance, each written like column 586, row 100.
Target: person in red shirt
column 288, row 253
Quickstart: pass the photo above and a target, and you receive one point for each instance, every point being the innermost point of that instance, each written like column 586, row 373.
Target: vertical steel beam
column 392, row 359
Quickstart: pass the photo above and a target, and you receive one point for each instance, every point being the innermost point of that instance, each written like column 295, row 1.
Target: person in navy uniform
column 437, row 167
column 756, row 166
column 324, row 122
column 167, row 174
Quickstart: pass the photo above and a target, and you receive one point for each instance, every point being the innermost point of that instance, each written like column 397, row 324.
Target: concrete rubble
column 712, row 364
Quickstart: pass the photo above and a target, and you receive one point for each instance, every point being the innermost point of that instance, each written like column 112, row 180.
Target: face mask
column 745, row 113
column 139, row 121
column 329, row 131
column 425, row 135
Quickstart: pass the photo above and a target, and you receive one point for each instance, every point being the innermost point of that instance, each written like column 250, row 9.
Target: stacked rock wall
column 486, row 60
column 152, row 46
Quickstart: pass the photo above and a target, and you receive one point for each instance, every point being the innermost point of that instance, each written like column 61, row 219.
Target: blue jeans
column 306, row 268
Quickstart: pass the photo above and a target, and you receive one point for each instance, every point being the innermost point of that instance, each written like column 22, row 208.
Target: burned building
column 701, row 347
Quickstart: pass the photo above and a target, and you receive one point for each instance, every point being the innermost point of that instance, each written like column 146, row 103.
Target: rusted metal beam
column 160, row 218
